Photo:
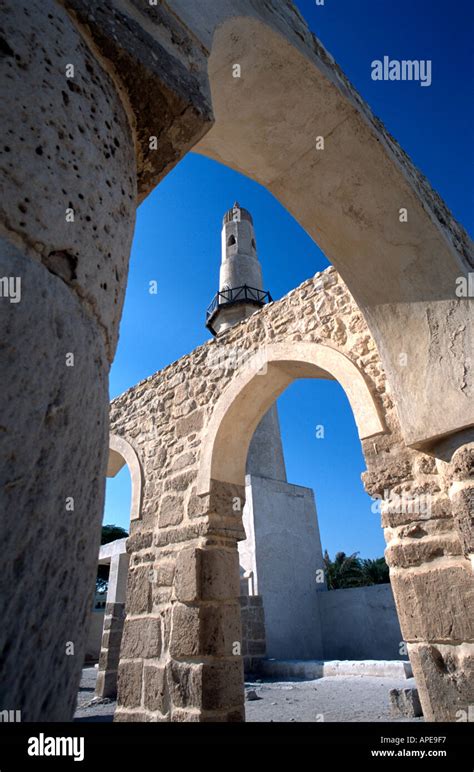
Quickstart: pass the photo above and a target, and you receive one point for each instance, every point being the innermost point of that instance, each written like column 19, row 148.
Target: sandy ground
column 336, row 698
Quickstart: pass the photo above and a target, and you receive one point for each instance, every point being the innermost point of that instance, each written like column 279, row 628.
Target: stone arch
column 347, row 197
column 255, row 388
column 193, row 463
column 121, row 453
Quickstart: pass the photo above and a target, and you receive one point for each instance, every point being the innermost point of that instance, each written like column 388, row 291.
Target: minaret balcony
column 231, row 296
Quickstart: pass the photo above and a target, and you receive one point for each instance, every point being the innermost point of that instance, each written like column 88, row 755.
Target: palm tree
column 375, row 571
column 343, row 571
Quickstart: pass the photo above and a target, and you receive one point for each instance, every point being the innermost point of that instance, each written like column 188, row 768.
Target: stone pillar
column 431, row 579
column 106, row 685
column 76, row 158
column 68, row 211
column 181, row 651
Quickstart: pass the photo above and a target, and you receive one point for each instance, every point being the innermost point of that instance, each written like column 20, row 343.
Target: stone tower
column 240, row 277
column 282, row 551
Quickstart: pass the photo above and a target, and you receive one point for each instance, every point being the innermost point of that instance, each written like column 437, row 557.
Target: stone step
column 310, row 669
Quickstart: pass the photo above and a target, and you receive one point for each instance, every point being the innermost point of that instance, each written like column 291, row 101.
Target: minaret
column 282, row 552
column 240, row 294
column 240, row 277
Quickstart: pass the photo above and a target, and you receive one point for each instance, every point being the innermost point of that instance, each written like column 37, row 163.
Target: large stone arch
column 250, row 394
column 348, row 197
column 191, row 424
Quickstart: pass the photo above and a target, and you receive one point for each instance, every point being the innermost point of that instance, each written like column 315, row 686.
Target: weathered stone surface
column 141, row 638
column 191, row 423
column 74, row 160
column 220, row 578
column 184, row 683
column 185, row 632
column 130, row 683
column 222, row 684
column 139, row 590
column 220, row 630
column 171, row 511
column 188, row 575
column 435, row 603
column 159, row 81
column 445, row 680
column 405, row 702
column 460, row 475
column 155, row 690
column 141, row 70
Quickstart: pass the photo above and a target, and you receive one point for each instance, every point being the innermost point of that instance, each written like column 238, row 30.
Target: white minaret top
column 239, row 264
column 240, row 277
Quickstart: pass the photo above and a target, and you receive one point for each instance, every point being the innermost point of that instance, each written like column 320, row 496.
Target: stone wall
column 176, row 659
column 253, row 647
column 361, row 623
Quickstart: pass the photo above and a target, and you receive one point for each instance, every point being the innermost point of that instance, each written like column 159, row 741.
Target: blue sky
column 177, row 242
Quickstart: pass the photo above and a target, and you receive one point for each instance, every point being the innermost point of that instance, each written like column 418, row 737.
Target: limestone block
column 155, row 690
column 181, row 482
column 129, row 683
column 139, row 590
column 141, row 638
column 163, row 573
column 445, row 680
column 435, row 602
column 184, row 683
column 405, row 702
column 197, row 505
column 171, row 511
column 185, row 632
column 220, row 577
column 220, row 629
column 187, row 459
column 180, row 715
column 462, row 502
column 222, row 684
column 136, row 716
column 187, row 583
column 189, row 424
column 111, row 639
column 408, row 554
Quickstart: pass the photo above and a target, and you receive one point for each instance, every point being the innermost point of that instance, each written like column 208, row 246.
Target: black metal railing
column 228, row 297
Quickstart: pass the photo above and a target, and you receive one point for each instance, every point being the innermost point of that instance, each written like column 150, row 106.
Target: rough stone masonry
column 179, row 659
